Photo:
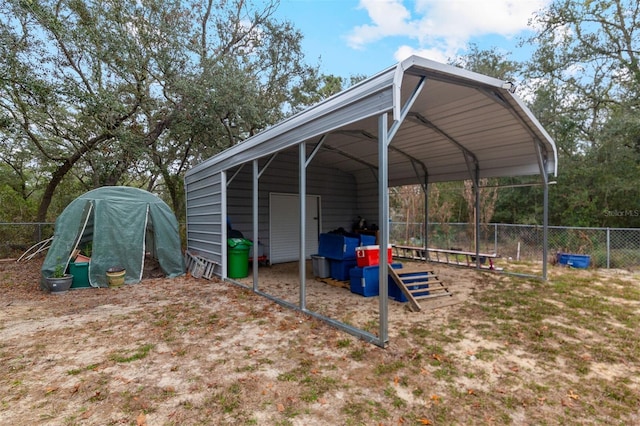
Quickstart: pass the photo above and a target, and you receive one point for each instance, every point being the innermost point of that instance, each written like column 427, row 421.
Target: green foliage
column 134, row 93
column 58, row 271
column 590, row 113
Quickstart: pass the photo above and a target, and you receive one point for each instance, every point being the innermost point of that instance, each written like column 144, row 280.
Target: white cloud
column 442, row 27
column 388, row 17
column 435, row 54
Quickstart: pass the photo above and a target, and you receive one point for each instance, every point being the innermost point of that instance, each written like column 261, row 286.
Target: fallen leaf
column 435, row 399
column 141, row 420
column 50, row 389
column 396, row 380
column 280, row 408
column 573, row 395
column 424, row 371
column 565, row 403
column 425, row 421
column 471, row 392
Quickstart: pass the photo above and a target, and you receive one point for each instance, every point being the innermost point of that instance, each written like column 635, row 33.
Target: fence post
column 495, row 238
column 608, row 247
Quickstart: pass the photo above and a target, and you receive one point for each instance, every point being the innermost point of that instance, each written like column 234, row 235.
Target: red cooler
column 370, row 255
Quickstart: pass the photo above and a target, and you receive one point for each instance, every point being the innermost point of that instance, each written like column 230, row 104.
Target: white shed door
column 284, row 226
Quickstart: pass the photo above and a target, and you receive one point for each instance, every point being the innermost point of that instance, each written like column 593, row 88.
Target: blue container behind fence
column 574, row 260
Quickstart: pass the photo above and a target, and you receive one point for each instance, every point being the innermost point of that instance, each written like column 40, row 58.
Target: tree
column 136, row 91
column 489, row 62
column 585, row 74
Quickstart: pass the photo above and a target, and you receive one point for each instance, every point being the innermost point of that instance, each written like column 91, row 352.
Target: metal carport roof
column 449, row 123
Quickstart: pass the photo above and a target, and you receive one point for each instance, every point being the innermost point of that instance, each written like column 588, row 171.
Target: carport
column 418, row 122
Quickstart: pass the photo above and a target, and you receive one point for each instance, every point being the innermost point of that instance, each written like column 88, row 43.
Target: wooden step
column 414, row 285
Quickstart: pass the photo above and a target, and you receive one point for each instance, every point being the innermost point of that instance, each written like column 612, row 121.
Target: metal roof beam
column 315, row 150
column 264, row 168
column 541, row 149
column 405, row 110
column 469, row 156
column 236, row 174
column 349, row 156
column 359, row 134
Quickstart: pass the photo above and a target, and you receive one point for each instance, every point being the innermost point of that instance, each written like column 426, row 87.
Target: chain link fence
column 16, row 238
column 607, row 247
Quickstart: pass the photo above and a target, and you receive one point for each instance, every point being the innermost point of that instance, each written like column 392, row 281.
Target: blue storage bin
column 337, row 246
column 367, row 240
column 420, row 277
column 366, row 281
column 340, row 268
column 574, row 260
column 395, row 293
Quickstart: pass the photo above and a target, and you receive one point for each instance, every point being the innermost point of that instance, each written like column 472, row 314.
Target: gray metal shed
column 417, row 122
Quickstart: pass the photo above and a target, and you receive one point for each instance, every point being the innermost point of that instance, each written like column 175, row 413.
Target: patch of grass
column 139, row 353
column 357, row 354
column 228, row 399
column 419, row 331
column 313, row 385
column 343, row 343
column 396, row 401
column 363, row 412
column 447, row 372
column 389, row 368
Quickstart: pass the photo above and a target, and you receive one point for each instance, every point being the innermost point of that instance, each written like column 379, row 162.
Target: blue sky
column 354, row 37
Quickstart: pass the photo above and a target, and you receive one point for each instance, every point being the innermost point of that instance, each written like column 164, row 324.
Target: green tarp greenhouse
column 120, row 225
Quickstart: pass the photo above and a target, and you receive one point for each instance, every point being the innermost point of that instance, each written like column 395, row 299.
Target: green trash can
column 238, row 257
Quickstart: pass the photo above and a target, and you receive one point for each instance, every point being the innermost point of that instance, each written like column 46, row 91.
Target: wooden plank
column 413, row 304
column 432, row 296
column 335, row 283
column 429, row 289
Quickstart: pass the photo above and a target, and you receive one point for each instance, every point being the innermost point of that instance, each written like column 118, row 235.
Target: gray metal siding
column 368, row 197
column 204, row 203
column 337, row 190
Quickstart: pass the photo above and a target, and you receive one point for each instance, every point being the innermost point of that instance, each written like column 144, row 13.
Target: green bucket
column 238, row 257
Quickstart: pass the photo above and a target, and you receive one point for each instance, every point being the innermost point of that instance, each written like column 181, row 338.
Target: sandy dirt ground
column 195, row 351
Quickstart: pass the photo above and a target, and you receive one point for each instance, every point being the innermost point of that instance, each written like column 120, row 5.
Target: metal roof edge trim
column 366, row 88
column 539, row 126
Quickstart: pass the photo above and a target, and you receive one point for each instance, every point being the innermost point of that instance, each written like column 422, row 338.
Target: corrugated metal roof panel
column 456, row 111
